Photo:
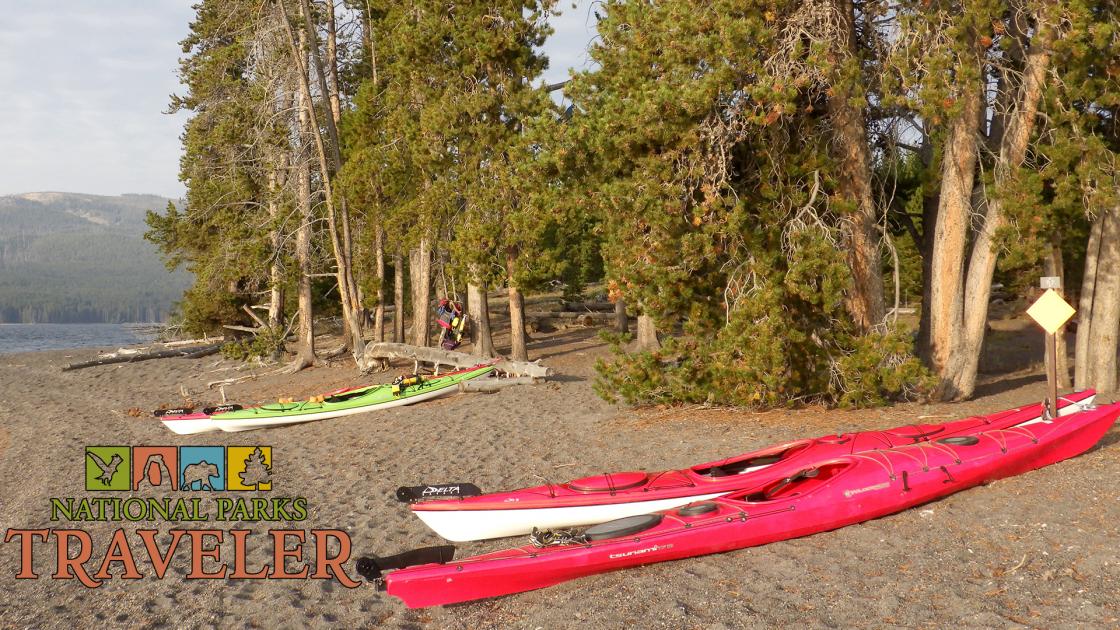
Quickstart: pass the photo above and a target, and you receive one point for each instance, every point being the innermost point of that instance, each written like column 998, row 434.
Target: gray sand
column 1039, row 550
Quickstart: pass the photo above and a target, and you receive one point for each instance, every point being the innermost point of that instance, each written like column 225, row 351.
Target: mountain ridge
column 81, row 258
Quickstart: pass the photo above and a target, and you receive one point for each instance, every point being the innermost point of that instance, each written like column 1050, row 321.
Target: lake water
column 33, row 337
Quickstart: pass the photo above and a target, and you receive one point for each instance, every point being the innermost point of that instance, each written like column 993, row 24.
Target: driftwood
column 251, row 314
column 247, row 329
column 192, row 342
column 494, row 384
column 189, row 353
column 439, row 356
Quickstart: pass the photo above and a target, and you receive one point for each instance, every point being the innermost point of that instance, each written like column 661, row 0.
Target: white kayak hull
column 189, row 426
column 464, row 525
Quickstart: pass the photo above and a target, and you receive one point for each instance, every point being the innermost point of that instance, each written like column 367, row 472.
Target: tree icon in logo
column 250, row 468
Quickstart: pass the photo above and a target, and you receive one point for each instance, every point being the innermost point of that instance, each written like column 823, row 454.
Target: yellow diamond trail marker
column 1051, row 311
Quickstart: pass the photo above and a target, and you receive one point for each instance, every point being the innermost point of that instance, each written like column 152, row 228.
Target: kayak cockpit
column 798, row 484
column 751, row 461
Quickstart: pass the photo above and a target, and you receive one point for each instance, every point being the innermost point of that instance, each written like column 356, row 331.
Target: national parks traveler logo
column 187, row 490
column 178, row 468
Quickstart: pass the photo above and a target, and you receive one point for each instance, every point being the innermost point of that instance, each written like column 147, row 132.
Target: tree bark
column 276, row 269
column 478, row 314
column 517, row 346
column 332, row 63
column 621, row 321
column 305, row 357
column 1082, row 375
column 865, row 299
column 1105, row 312
column 398, row 298
column 982, row 264
column 344, row 272
column 647, row 334
column 379, row 263
column 420, row 266
column 954, row 209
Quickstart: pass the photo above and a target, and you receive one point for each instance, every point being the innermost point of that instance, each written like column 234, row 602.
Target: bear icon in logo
column 200, row 473
column 202, row 468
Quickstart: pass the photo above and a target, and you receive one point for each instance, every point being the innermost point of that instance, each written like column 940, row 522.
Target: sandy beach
column 1038, row 550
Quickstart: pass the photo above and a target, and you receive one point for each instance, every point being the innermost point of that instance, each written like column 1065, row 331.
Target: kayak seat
column 696, row 509
column 797, row 484
column 960, row 440
column 622, row 527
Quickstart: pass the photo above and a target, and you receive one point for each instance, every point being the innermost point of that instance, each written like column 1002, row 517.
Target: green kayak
column 405, row 391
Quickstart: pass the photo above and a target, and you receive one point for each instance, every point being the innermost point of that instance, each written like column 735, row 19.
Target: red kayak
column 606, row 497
column 828, row 494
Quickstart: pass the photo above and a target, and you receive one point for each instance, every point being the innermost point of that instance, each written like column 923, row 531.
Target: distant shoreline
column 17, row 338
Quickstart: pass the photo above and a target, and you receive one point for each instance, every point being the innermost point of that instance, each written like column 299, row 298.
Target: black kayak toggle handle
column 371, row 567
column 412, row 494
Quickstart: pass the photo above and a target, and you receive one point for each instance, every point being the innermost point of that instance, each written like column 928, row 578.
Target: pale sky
column 84, row 85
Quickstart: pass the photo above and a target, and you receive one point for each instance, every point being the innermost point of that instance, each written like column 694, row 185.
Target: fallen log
column 190, row 353
column 191, row 342
column 573, row 315
column 494, row 384
column 439, row 356
column 587, row 306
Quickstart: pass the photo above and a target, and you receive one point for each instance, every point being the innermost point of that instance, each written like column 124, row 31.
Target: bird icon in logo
column 107, row 470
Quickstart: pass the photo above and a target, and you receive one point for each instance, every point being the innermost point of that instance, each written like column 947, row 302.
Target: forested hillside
column 67, row 258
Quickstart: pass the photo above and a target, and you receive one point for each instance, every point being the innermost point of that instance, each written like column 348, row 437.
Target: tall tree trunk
column 398, row 298
column 1104, row 315
column 982, row 263
column 306, row 355
column 332, row 63
column 379, row 263
column 1053, row 265
column 344, row 272
column 621, row 321
column 865, row 300
column 328, row 83
column 1082, row 375
column 420, row 265
column 276, row 269
column 929, row 220
column 647, row 334
column 517, row 347
column 954, row 210
column 478, row 315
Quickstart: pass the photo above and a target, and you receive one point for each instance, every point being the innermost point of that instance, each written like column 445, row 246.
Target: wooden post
column 1052, row 329
column 1052, row 374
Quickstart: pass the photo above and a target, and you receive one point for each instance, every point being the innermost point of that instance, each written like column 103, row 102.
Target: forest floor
column 1037, row 550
